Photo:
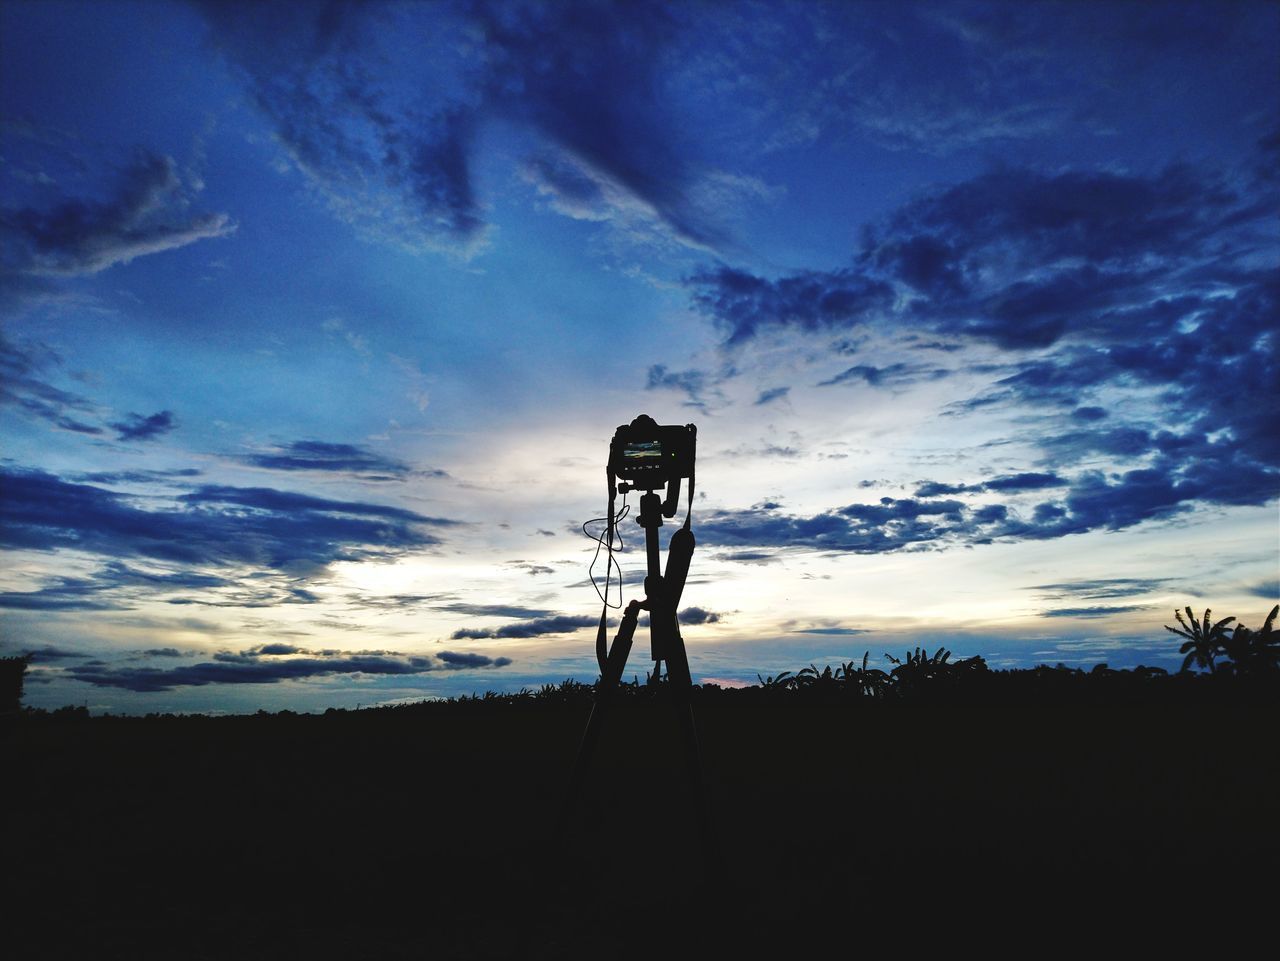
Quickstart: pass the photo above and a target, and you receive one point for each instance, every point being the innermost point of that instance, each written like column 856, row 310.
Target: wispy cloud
column 323, row 456
column 537, row 627
column 138, row 427
column 214, row 525
column 273, row 663
column 147, row 212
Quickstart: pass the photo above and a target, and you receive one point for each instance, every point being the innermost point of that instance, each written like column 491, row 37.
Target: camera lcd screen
column 642, row 453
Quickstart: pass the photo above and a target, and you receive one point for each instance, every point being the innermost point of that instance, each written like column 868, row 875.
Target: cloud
column 769, row 396
column 116, row 586
column 1005, row 483
column 148, row 211
column 832, row 631
column 1027, row 481
column 213, row 525
column 702, row 387
column 891, row 376
column 1102, row 588
column 273, row 663
column 49, row 653
column 1267, row 589
column 137, row 427
column 24, row 369
column 314, row 455
column 537, row 627
column 137, row 476
column 493, row 610
column 743, row 305
column 1089, row 286
column 1093, row 611
column 699, row 615
column 1092, row 501
column 582, row 79
column 750, row 557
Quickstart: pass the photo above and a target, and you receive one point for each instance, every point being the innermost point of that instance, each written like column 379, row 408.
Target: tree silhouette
column 1254, row 652
column 1204, row 641
column 12, row 670
column 869, row 682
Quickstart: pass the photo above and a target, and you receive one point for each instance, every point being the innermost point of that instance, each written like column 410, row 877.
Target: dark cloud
column 162, row 652
column 1029, row 481
column 51, row 601
column 147, row 211
column 60, row 594
column 1102, row 588
column 493, row 610
column 743, row 305
column 214, row 525
column 457, row 662
column 832, row 631
column 938, row 489
column 1267, row 589
column 272, row 663
column 700, row 386
column 136, row 476
column 116, row 586
column 769, row 396
column 749, row 557
column 137, row 427
column 582, row 77
column 537, row 627
column 1129, row 287
column 699, row 615
column 587, row 77
column 24, row 385
column 314, row 455
column 1077, row 252
column 48, row 653
column 1092, row 501
column 278, row 649
column 1114, row 442
column 1093, row 611
column 893, row 375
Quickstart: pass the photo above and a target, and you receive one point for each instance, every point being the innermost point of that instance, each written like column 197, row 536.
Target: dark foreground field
column 428, row 833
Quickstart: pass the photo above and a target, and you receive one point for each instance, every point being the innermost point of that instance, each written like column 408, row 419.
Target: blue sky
column 317, row 320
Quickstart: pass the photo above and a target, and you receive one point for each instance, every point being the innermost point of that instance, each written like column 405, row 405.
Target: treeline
column 1222, row 665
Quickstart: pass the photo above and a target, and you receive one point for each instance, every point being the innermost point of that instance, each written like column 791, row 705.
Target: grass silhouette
column 855, row 807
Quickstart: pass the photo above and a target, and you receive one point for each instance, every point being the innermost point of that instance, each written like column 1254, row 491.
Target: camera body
column 650, row 456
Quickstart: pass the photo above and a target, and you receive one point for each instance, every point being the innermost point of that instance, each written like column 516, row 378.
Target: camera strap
column 688, row 517
column 602, row 641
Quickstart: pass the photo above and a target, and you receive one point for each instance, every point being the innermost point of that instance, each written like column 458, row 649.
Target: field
column 430, row 832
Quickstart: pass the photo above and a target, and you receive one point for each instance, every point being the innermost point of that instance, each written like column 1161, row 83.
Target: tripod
column 662, row 597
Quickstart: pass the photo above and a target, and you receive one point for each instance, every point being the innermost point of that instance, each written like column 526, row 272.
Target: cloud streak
column 323, row 456
column 213, row 525
column 274, row 663
column 147, row 212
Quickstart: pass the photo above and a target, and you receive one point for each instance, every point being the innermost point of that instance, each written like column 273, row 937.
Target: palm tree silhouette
column 1204, row 641
column 1254, row 652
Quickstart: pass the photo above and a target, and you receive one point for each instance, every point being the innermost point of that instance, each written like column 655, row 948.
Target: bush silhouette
column 12, row 670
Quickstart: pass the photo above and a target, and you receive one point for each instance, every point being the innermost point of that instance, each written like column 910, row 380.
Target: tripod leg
column 682, row 690
column 610, row 677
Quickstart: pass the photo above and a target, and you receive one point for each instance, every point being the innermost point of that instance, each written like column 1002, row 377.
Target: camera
column 649, row 455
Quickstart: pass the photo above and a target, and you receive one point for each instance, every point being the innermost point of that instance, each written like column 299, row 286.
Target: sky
column 316, row 321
